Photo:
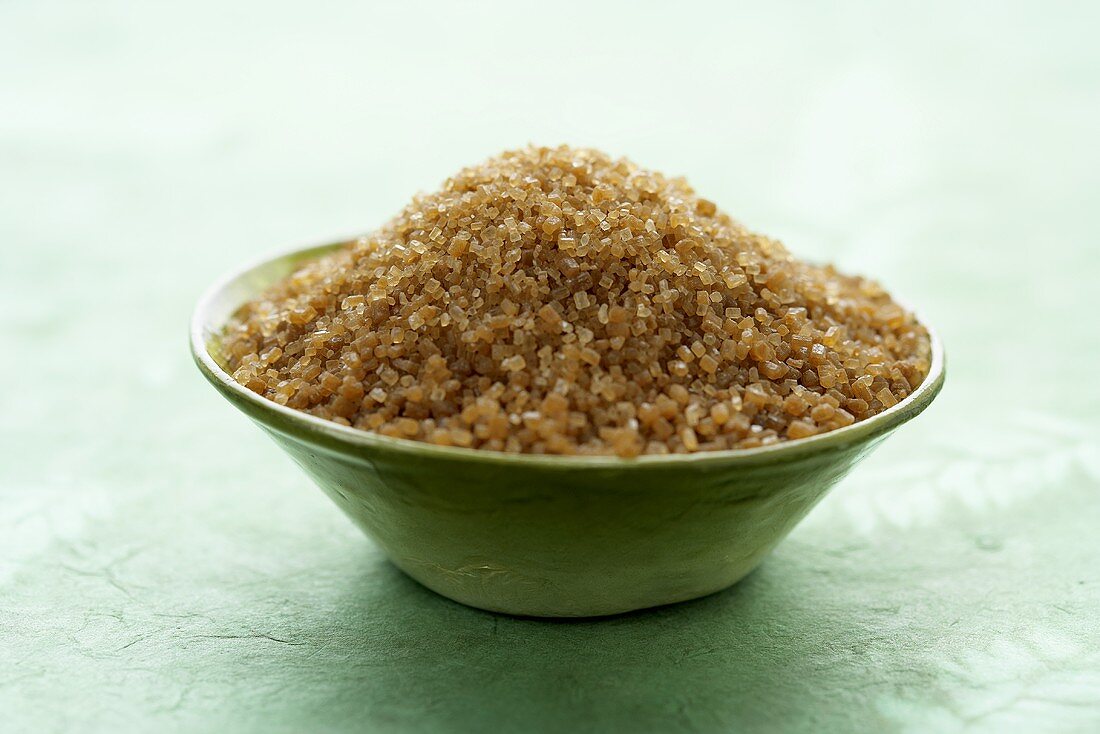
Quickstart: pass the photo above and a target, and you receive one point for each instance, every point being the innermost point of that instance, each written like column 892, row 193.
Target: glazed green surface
column 548, row 536
column 165, row 567
column 548, row 544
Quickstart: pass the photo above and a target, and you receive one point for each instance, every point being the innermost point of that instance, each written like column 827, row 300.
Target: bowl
column 551, row 536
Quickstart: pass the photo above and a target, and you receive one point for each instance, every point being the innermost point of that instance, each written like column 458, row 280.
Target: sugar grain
column 557, row 300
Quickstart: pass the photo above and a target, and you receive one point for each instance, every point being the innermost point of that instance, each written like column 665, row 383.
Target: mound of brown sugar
column 557, row 300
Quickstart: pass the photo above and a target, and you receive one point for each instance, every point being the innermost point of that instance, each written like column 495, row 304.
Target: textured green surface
column 164, row 566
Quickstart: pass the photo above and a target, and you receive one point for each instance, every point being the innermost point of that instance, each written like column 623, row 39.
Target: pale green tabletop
column 164, row 567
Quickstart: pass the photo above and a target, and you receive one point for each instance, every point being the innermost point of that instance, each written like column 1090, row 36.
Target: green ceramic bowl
column 552, row 536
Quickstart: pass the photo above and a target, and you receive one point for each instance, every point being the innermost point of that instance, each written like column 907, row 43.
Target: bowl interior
column 222, row 300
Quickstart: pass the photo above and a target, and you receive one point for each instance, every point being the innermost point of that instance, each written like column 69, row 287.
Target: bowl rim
column 345, row 439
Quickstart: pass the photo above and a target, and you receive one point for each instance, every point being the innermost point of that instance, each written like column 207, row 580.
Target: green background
column 164, row 567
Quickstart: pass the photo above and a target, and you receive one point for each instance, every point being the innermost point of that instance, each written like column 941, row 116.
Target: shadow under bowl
column 551, row 536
